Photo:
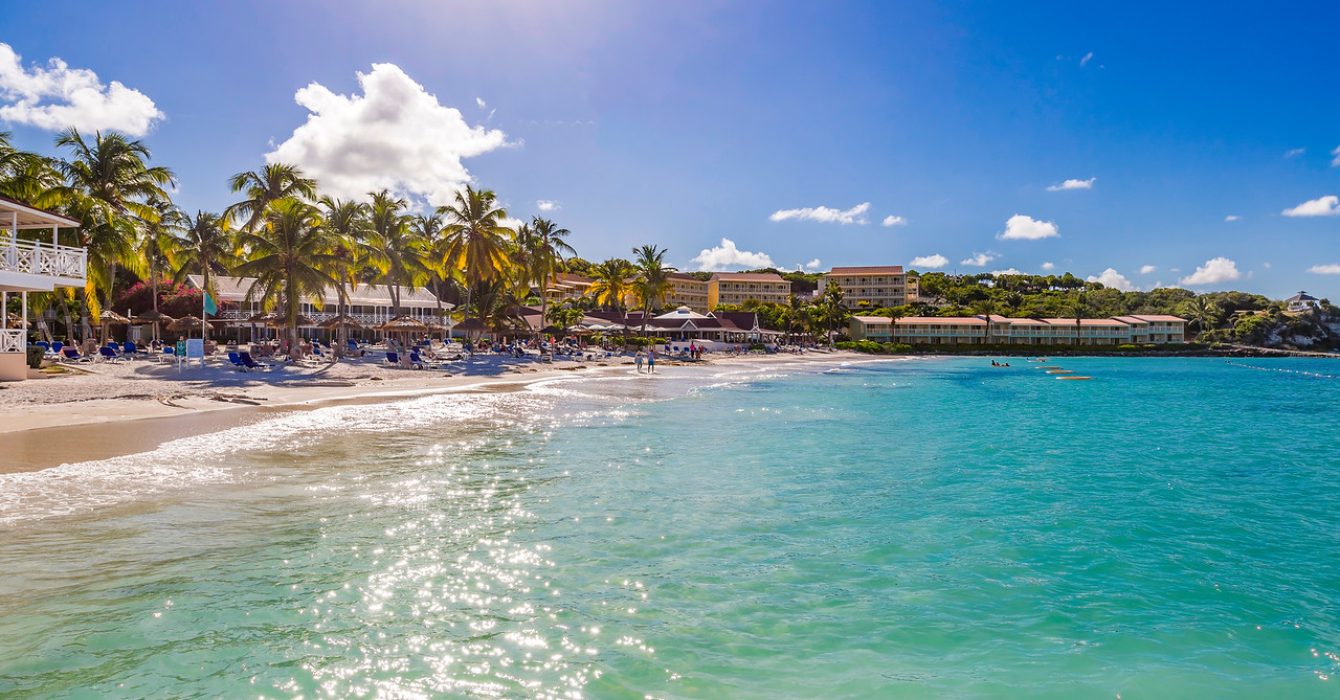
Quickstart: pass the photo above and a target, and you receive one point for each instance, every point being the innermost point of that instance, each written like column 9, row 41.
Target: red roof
column 870, row 270
column 747, row 277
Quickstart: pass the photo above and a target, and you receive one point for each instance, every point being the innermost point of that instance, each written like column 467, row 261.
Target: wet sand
column 49, row 435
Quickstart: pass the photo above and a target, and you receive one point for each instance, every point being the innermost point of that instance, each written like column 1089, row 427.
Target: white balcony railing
column 12, row 340
column 37, row 258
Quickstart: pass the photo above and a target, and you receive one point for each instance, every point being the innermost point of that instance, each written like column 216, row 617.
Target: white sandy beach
column 103, row 410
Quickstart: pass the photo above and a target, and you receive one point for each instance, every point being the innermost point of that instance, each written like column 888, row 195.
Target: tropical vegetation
column 298, row 243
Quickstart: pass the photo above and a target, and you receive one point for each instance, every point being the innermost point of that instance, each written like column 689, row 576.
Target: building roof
column 31, row 217
column 1161, row 318
column 1106, row 322
column 868, row 270
column 1131, row 320
column 681, row 313
column 946, row 320
column 685, row 277
column 1302, row 296
column 747, row 277
column 570, row 278
column 869, row 320
column 234, row 289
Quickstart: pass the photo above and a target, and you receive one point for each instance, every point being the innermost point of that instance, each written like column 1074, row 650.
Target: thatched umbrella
column 265, row 319
column 340, row 321
column 152, row 317
column 187, row 324
column 108, row 318
column 16, row 321
column 279, row 321
column 403, row 325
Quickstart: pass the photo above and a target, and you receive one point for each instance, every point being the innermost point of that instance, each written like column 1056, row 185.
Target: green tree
column 475, row 241
column 653, row 279
column 1202, row 313
column 159, row 241
column 542, row 246
column 291, row 256
column 107, row 185
column 206, row 245
column 271, row 183
column 612, row 283
column 400, row 256
column 347, row 225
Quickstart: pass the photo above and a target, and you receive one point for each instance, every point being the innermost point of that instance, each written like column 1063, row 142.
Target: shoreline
column 49, row 435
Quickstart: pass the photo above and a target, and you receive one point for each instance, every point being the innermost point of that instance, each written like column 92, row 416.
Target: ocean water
column 923, row 528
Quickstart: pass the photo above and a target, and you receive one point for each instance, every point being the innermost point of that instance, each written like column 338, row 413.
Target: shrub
column 35, row 354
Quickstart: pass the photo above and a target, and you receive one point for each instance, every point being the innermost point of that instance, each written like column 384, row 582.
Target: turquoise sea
column 922, row 528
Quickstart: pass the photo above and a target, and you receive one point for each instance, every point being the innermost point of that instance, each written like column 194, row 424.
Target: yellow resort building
column 31, row 260
column 566, row 286
column 687, row 290
column 875, row 287
column 736, row 288
column 1002, row 330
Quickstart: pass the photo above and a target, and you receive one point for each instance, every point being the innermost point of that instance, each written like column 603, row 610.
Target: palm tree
column 427, row 229
column 474, row 239
column 114, row 171
column 206, row 245
column 400, row 256
column 542, row 247
column 291, row 257
column 1202, row 312
column 261, row 187
column 653, row 280
column 346, row 223
column 832, row 308
column 612, row 283
column 108, row 183
column 159, row 240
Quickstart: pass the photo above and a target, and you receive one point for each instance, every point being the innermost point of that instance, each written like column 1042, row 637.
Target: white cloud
column 892, row 220
column 395, row 135
column 1113, row 280
column 1049, row 266
column 58, row 97
column 1294, row 152
column 1324, row 269
column 1321, row 206
column 726, row 256
column 1026, row 228
column 979, row 259
column 813, row 265
column 1214, row 271
column 479, row 101
column 1147, row 269
column 1073, row 185
column 827, row 215
column 931, row 262
column 1231, row 218
column 547, row 205
column 1087, row 57
column 1335, row 162
column 1266, row 265
column 1007, row 271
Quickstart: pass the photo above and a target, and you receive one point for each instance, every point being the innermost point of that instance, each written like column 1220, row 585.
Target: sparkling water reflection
column 923, row 528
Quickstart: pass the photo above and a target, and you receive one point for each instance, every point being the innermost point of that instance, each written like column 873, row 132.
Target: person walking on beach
column 651, row 361
column 638, row 359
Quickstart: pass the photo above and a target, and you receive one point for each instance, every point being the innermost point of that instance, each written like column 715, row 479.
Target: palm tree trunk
column 154, row 272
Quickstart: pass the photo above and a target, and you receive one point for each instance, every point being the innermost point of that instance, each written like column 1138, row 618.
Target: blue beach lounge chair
column 249, row 362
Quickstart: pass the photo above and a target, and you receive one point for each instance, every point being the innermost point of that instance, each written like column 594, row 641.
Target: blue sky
column 688, row 123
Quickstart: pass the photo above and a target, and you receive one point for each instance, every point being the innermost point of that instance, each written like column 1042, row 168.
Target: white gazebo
column 30, row 264
column 1302, row 301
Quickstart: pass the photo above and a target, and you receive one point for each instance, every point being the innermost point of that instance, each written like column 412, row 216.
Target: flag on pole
column 211, row 309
